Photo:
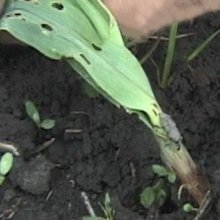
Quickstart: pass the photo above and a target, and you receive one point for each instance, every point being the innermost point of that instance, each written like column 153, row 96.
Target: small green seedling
column 33, row 113
column 189, row 208
column 107, row 209
column 6, row 163
column 154, row 195
column 162, row 171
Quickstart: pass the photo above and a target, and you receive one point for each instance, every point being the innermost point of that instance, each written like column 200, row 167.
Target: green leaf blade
column 105, row 63
column 160, row 197
column 32, row 112
column 148, row 197
column 172, row 177
column 187, row 207
column 6, row 163
column 161, row 171
column 48, row 124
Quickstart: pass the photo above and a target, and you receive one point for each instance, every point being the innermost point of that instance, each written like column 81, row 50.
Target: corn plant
column 86, row 35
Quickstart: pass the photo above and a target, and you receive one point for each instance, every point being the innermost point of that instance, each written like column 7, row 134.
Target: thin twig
column 166, row 38
column 9, row 147
column 157, row 70
column 49, row 195
column 44, row 146
column 204, row 206
column 155, row 37
column 88, row 204
column 73, row 131
column 150, row 52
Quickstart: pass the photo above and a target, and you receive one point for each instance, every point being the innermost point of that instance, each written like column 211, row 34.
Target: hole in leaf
column 96, row 47
column 155, row 112
column 46, row 27
column 58, row 5
column 9, row 15
column 17, row 14
column 85, row 59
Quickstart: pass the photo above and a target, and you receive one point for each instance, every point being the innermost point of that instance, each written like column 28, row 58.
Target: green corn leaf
column 93, row 47
column 6, row 163
column 103, row 22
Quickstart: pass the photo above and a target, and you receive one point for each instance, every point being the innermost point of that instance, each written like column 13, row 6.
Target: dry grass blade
column 202, row 46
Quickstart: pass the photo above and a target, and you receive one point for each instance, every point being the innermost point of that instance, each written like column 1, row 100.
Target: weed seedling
column 162, row 171
column 187, row 207
column 107, row 209
column 33, row 113
column 156, row 195
column 6, row 163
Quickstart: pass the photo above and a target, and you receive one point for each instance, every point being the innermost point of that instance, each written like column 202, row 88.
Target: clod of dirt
column 176, row 216
column 32, row 176
column 9, row 125
column 9, row 195
column 127, row 214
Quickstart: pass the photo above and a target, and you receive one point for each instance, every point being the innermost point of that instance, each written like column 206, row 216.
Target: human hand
column 2, row 3
column 138, row 18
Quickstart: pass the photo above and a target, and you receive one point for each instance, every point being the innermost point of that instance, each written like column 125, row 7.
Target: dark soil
column 99, row 148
